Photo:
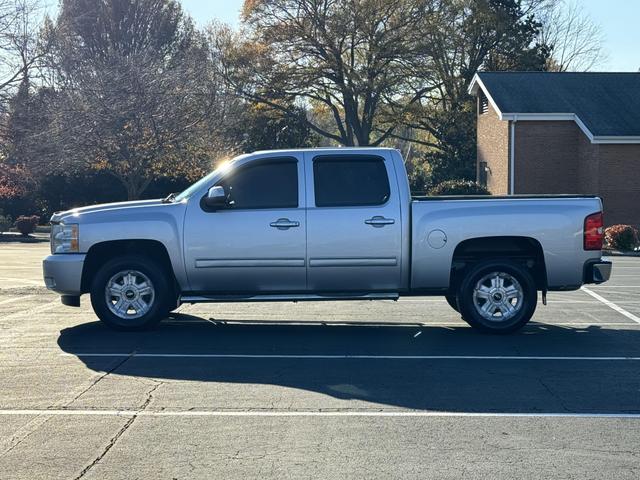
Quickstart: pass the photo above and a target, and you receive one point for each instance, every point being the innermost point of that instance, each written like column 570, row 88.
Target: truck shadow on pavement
column 575, row 382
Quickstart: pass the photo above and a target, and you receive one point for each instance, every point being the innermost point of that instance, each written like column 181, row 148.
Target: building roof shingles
column 607, row 103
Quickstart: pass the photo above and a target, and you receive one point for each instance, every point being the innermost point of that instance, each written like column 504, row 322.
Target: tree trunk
column 134, row 187
column 133, row 193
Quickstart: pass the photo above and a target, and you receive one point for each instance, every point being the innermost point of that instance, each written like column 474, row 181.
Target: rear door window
column 350, row 180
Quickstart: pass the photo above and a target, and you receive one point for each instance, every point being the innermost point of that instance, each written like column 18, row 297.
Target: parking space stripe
column 22, row 267
column 15, row 299
column 388, row 325
column 349, row 357
column 307, row 413
column 24, row 281
column 551, row 301
column 616, row 286
column 612, row 305
column 38, row 309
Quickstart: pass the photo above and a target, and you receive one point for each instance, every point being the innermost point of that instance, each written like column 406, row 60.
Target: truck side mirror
column 216, row 197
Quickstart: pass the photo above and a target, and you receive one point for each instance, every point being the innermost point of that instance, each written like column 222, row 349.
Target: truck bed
column 427, row 198
column 555, row 222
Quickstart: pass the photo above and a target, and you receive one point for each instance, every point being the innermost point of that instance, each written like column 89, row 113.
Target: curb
column 616, row 253
column 12, row 238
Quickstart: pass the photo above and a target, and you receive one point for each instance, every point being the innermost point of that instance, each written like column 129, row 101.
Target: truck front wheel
column 497, row 296
column 130, row 293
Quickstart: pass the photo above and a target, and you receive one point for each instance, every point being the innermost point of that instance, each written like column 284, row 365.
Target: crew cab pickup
column 324, row 224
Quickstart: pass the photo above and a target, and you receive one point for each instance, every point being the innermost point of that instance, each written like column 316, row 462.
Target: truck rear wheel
column 497, row 296
column 130, row 293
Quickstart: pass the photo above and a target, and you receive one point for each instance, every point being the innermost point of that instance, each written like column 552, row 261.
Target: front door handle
column 284, row 224
column 379, row 221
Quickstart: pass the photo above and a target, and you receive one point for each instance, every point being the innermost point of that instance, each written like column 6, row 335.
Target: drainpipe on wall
column 512, row 155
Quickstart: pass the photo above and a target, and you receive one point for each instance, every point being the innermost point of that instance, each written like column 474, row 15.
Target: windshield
column 205, row 180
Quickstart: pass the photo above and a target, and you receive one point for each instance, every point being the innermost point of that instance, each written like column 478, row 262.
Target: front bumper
column 63, row 273
column 597, row 271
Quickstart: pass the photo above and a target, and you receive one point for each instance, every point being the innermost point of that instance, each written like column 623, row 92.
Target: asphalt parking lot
column 318, row 390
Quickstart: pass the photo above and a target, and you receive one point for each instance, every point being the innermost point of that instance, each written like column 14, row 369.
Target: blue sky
column 203, row 11
column 620, row 21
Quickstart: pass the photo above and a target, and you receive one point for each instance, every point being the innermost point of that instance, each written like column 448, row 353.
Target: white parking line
column 38, row 309
column 22, row 267
column 308, row 413
column 616, row 286
column 612, row 305
column 330, row 323
column 580, row 324
column 348, row 357
column 551, row 300
column 24, row 281
column 15, row 299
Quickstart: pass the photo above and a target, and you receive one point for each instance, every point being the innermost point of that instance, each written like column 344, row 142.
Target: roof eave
column 617, row 140
column 476, row 83
column 473, row 86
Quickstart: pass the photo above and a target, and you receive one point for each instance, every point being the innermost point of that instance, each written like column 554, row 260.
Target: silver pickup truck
column 324, row 224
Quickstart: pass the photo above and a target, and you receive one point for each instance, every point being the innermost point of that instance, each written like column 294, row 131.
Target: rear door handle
column 284, row 224
column 379, row 221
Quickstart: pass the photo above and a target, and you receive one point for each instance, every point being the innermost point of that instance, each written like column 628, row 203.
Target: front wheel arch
column 102, row 252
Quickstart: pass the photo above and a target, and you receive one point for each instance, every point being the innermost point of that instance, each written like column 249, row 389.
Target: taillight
column 593, row 232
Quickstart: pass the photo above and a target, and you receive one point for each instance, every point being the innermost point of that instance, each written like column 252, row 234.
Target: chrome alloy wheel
column 498, row 296
column 129, row 294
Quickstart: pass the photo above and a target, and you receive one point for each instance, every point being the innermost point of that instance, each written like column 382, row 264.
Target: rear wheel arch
column 525, row 251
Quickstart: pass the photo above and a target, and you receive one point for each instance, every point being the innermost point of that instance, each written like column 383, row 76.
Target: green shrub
column 621, row 237
column 5, row 223
column 27, row 224
column 458, row 187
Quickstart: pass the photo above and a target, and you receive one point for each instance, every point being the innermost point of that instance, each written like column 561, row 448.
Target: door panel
column 237, row 250
column 352, row 247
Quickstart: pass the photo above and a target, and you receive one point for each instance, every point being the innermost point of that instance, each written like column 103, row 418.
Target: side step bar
column 294, row 297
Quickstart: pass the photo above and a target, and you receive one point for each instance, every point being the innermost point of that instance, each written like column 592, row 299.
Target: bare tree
column 349, row 60
column 365, row 69
column 576, row 40
column 464, row 37
column 21, row 45
column 133, row 95
column 22, row 48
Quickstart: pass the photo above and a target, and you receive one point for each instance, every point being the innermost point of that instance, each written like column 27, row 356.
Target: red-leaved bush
column 621, row 237
column 27, row 224
column 15, row 181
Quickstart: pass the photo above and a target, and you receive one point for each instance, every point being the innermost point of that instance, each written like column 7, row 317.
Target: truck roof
column 328, row 149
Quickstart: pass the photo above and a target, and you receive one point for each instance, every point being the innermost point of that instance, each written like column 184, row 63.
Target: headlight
column 64, row 238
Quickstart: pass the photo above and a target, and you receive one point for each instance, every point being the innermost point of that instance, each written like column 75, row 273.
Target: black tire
column 470, row 306
column 452, row 300
column 159, row 302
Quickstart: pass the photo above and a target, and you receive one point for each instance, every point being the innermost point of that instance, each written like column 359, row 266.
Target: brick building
column 575, row 133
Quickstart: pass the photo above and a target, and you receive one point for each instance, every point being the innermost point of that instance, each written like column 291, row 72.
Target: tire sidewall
column 159, row 308
column 475, row 319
